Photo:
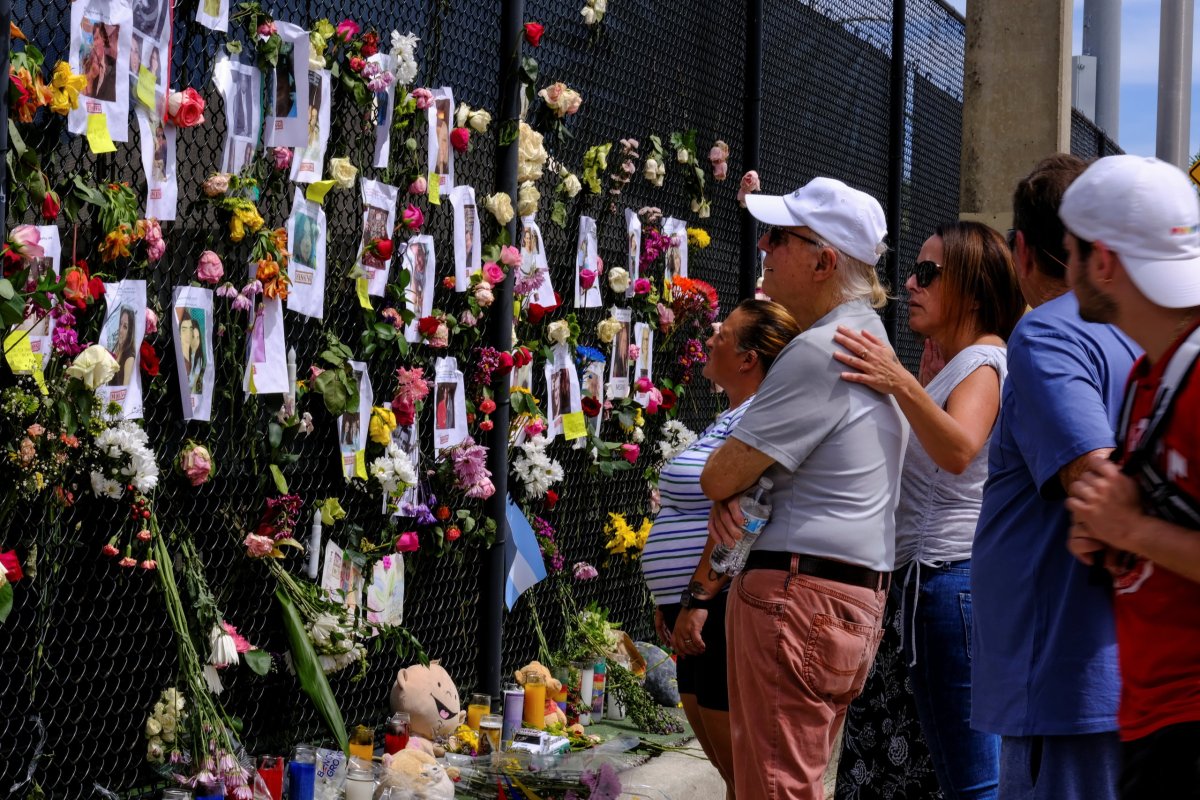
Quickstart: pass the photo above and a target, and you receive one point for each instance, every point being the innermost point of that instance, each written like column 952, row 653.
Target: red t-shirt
column 1158, row 611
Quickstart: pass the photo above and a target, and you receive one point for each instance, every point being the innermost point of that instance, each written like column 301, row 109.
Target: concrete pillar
column 1175, row 83
column 1016, row 99
column 1102, row 39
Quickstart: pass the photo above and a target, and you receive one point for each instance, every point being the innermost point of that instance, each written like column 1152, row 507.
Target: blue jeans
column 937, row 629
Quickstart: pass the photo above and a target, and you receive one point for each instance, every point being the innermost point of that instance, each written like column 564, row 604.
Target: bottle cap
column 766, row 482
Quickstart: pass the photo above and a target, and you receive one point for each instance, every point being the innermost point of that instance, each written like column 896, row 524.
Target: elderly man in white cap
column 1133, row 240
column 805, row 617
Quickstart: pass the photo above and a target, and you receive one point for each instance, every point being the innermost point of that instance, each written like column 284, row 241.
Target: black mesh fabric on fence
column 1088, row 141
column 87, row 650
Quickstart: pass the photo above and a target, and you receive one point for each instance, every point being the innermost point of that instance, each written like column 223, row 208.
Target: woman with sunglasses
column 963, row 295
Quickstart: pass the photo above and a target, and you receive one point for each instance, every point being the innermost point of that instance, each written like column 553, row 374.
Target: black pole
column 751, row 144
column 5, row 19
column 897, row 96
column 499, row 335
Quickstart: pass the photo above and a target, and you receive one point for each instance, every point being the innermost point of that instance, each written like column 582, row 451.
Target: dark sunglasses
column 925, row 272
column 775, row 236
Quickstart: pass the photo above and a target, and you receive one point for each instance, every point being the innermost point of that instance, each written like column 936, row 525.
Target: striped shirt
column 680, row 530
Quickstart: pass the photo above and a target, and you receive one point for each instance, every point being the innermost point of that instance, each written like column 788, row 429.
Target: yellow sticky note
column 363, row 299
column 21, row 359
column 97, row 134
column 434, row 189
column 145, row 87
column 360, row 464
column 316, row 191
column 573, row 426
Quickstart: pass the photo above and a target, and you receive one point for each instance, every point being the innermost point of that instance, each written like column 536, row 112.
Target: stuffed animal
column 418, row 773
column 553, row 687
column 430, row 698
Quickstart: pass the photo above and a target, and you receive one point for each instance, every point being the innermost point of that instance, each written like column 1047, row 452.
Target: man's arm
column 733, row 469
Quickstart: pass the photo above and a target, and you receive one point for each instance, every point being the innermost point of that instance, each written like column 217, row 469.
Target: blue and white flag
column 522, row 555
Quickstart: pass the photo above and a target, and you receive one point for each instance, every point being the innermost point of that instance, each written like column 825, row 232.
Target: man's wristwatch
column 689, row 600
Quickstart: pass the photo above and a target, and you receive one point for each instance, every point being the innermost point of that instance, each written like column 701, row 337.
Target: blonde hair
column 767, row 329
column 860, row 281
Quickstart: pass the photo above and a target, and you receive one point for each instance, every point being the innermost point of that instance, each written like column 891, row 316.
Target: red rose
column 521, row 356
column 442, row 513
column 357, row 64
column 669, row 399
column 51, row 206
column 383, row 248
column 11, row 563
column 488, row 405
column 486, row 425
column 149, row 360
column 427, row 326
column 460, row 139
column 533, row 33
column 452, row 534
column 405, row 411
column 448, row 282
column 591, row 406
column 370, row 43
column 551, row 499
column 535, row 313
column 506, row 365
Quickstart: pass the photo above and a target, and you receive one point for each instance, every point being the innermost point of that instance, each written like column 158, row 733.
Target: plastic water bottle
column 756, row 508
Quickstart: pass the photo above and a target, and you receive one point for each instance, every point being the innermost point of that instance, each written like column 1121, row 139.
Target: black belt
column 817, row 567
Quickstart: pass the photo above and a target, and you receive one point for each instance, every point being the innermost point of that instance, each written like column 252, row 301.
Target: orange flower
column 116, row 244
column 274, row 283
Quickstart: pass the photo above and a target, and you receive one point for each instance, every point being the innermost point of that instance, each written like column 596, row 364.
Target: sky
column 1139, row 74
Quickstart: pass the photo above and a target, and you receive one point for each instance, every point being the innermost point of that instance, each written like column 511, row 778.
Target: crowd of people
column 1025, row 511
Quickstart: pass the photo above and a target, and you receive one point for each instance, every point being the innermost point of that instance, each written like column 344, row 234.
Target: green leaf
column 275, row 435
column 308, row 670
column 259, row 661
column 280, row 481
column 6, row 289
column 15, row 142
column 12, row 312
column 509, row 132
column 6, row 601
column 331, row 511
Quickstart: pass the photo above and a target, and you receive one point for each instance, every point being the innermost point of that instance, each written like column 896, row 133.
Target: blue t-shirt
column 1044, row 658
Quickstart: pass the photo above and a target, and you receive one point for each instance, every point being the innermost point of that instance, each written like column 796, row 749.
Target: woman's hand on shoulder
column 875, row 363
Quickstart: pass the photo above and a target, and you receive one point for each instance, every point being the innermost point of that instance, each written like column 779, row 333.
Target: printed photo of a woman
column 444, row 406
column 191, row 341
column 120, row 344
column 99, row 59
column 442, row 105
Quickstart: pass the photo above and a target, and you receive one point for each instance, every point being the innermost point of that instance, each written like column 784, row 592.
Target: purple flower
column 227, row 290
column 524, row 283
column 65, row 340
column 604, row 783
column 470, row 471
column 584, row 571
column 243, row 303
column 487, row 359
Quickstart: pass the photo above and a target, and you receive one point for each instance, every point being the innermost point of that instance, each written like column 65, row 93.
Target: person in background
column 1044, row 660
column 964, row 297
column 740, row 352
column 1134, row 243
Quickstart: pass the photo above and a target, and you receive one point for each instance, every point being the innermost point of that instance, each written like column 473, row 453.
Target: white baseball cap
column 1146, row 211
column 850, row 220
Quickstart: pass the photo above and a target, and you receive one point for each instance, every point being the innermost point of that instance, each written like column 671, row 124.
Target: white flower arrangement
column 404, row 49
column 132, row 461
column 537, row 471
column 335, row 642
column 394, row 470
column 166, row 718
column 676, row 437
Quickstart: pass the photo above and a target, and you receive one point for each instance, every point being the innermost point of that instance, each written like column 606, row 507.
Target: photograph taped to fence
column 643, row 337
column 287, row 90
column 440, row 116
column 675, row 260
column 266, row 348
column 308, row 161
column 562, row 388
column 40, row 325
column 213, row 14
column 421, row 266
column 633, row 248
column 533, row 259
column 101, row 35
column 149, row 52
column 353, row 426
column 585, row 261
column 449, row 405
column 593, row 387
column 341, row 576
column 385, row 594
column 192, row 327
column 306, row 229
column 408, row 439
column 157, row 141
column 467, row 260
column 382, row 109
column 239, row 85
column 618, row 371
column 121, row 334
column 378, row 220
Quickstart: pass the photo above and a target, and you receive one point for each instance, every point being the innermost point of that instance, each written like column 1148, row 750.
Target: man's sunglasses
column 925, row 272
column 775, row 236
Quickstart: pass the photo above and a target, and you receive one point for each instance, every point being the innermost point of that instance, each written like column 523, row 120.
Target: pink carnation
column 460, row 139
column 151, row 321
column 282, row 157
column 259, row 546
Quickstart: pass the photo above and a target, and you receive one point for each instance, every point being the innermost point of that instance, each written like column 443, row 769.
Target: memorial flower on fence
column 537, row 471
column 623, row 539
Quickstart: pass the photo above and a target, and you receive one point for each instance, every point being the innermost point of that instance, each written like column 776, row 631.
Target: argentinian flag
column 522, row 555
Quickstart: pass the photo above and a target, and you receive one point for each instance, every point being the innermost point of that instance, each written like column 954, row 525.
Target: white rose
column 559, row 331
column 600, row 5
column 460, row 115
column 153, row 728
column 607, row 329
column 528, row 198
column 589, row 16
column 618, row 279
column 94, row 367
column 650, row 169
column 571, row 185
column 638, row 436
column 500, row 204
column 531, row 154
column 705, row 210
column 342, row 172
column 479, row 120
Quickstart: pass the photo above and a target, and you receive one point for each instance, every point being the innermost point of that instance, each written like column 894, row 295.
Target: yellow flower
column 116, row 244
column 383, row 422
column 698, row 238
column 65, row 87
column 623, row 540
column 237, row 231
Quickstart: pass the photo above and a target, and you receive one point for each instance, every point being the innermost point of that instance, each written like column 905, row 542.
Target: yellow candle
column 475, row 714
column 535, row 702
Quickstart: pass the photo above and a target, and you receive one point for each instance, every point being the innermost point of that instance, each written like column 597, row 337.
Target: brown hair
column 980, row 281
column 767, row 330
column 1035, row 210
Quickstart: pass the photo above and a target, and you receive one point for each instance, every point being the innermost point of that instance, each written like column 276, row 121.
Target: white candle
column 314, row 547
column 290, row 401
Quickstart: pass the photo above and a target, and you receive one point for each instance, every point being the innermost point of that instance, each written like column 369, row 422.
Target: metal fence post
column 752, row 141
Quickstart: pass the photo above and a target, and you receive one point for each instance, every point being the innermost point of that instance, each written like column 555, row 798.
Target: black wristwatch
column 689, row 600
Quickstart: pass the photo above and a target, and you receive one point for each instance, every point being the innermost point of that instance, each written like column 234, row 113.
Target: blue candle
column 302, row 776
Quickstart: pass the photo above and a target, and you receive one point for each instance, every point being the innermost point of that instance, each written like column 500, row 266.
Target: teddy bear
column 553, row 687
column 430, row 698
column 418, row 773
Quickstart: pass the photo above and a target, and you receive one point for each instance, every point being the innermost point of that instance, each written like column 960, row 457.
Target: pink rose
column 630, row 452
column 483, row 294
column 460, row 139
column 419, row 186
column 493, row 273
column 553, row 92
column 151, row 321
column 258, row 546
column 510, row 256
column 267, row 29
column 587, row 278
column 467, row 319
column 185, row 109
column 654, row 399
column 412, row 218
column 210, row 269
column 408, row 542
column 644, row 385
column 195, row 462
column 441, row 337
column 576, row 102
column 535, row 426
column 347, row 28
column 282, row 157
column 748, row 185
column 25, row 240
column 423, row 98
column 642, row 286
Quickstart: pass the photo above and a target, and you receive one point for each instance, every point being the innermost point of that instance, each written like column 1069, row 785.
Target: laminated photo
column 192, row 329
column 341, row 577
column 440, row 116
column 618, row 370
column 38, row 323
column 266, row 349
column 240, row 85
column 150, row 48
column 633, row 248
column 354, row 425
column 158, row 161
column 676, row 258
column 308, row 161
column 467, row 247
column 562, row 389
column 385, row 594
column 408, row 439
column 287, row 90
column 585, row 259
column 643, row 337
column 420, row 264
column 306, row 268
column 213, row 14
column 121, row 334
column 382, row 109
column 593, row 387
column 101, row 36
column 533, row 257
column 378, row 221
column 449, row 405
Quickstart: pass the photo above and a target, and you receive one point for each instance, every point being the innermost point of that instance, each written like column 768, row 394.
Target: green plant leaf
column 280, row 481
column 275, row 434
column 6, row 289
column 6, row 601
column 259, row 661
column 308, row 670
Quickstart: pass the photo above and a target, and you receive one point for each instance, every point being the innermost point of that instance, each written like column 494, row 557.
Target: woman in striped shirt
column 740, row 352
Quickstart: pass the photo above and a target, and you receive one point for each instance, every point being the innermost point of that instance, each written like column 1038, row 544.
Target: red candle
column 270, row 769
